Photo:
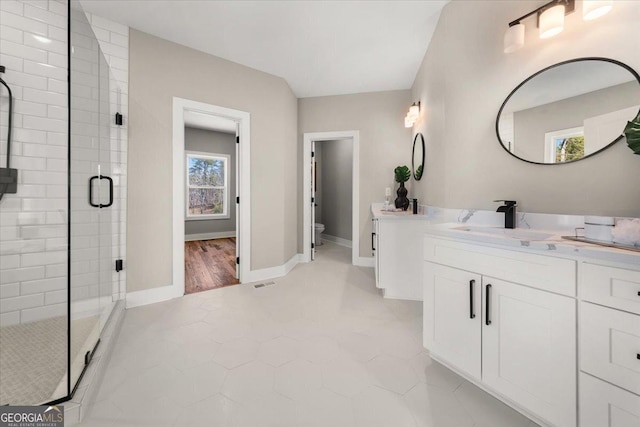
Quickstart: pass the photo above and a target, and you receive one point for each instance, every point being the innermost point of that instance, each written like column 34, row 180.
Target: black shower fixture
column 8, row 176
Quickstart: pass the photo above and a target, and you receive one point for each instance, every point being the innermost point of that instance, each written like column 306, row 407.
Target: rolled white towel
column 627, row 232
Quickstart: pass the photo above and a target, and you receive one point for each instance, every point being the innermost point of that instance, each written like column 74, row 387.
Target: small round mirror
column 417, row 157
column 569, row 111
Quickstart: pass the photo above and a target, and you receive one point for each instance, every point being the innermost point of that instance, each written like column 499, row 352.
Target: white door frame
column 243, row 225
column 354, row 136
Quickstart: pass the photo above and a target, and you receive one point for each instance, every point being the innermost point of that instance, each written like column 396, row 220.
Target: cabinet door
column 399, row 250
column 604, row 405
column 529, row 349
column 452, row 328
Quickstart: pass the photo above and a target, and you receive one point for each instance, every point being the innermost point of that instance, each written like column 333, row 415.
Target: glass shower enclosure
column 60, row 231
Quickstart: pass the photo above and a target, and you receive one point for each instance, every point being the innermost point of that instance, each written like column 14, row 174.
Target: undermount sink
column 506, row 232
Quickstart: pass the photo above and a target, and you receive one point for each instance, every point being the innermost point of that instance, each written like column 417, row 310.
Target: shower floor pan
column 33, row 359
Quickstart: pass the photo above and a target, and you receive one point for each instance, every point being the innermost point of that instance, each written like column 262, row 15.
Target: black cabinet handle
column 472, row 314
column 638, row 356
column 373, row 236
column 487, row 309
column 100, row 205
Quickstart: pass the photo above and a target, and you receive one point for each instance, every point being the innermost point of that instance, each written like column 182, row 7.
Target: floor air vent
column 262, row 285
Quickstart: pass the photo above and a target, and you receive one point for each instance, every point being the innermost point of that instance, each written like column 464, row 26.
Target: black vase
column 401, row 200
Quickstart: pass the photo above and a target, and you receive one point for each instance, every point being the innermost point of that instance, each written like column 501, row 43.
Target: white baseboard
column 151, row 296
column 365, row 261
column 412, row 297
column 274, row 272
column 337, row 240
column 209, row 236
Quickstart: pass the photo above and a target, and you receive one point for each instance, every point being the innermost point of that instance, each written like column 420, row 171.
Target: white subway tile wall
column 33, row 222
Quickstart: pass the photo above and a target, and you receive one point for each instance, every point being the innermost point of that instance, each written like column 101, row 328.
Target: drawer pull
column 487, row 310
column 638, row 356
column 472, row 313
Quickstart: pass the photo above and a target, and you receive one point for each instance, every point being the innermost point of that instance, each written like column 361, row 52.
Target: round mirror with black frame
column 417, row 157
column 569, row 111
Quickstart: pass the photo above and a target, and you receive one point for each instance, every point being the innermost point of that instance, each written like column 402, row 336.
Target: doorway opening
column 331, row 192
column 210, row 215
column 211, row 212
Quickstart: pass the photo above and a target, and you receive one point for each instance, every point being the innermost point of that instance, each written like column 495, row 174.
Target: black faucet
column 509, row 209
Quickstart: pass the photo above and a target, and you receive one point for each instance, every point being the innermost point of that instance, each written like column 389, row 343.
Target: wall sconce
column 412, row 115
column 550, row 20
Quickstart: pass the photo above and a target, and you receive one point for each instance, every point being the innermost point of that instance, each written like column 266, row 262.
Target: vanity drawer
column 613, row 287
column 610, row 345
column 604, row 405
column 539, row 271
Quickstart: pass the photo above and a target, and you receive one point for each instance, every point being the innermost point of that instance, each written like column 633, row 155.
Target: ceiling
column 319, row 47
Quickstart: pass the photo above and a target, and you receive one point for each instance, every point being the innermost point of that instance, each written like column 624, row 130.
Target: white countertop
column 379, row 213
column 536, row 232
column 517, row 238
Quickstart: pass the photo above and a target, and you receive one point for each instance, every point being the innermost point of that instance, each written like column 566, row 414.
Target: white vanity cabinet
column 529, row 349
column 397, row 249
column 491, row 315
column 609, row 346
column 452, row 316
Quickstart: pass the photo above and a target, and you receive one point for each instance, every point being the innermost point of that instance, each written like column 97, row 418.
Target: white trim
column 244, row 178
column 209, row 236
column 225, row 188
column 153, row 295
column 337, row 240
column 365, row 261
column 274, row 272
column 307, row 229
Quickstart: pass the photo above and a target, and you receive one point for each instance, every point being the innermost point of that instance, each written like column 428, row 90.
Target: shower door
column 94, row 205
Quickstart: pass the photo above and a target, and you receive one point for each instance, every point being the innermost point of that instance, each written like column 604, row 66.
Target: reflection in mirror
column 569, row 111
column 417, row 157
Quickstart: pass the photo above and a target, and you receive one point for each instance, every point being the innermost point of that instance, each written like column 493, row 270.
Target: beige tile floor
column 320, row 348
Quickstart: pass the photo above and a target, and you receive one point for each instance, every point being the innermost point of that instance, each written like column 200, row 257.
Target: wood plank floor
column 210, row 264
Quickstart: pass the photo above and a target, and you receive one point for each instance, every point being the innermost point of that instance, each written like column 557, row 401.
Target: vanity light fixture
column 550, row 19
column 412, row 115
column 593, row 9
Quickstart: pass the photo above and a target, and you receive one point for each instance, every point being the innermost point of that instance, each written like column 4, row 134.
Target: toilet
column 319, row 228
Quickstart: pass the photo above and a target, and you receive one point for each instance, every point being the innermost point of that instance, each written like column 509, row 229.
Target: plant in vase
column 632, row 133
column 402, row 174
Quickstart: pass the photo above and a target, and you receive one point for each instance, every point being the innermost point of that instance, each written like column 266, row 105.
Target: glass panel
column 85, row 180
column 206, row 201
column 95, row 220
column 33, row 225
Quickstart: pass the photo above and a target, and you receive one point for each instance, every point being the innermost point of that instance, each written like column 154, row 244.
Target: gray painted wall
column 208, row 141
column 337, row 191
column 465, row 77
column 205, row 78
column 384, row 144
column 530, row 125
